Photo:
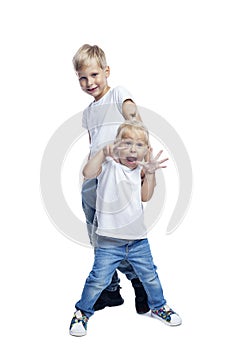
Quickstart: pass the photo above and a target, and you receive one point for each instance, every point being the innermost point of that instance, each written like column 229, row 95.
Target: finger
column 149, row 154
column 120, row 147
column 158, row 155
column 163, row 160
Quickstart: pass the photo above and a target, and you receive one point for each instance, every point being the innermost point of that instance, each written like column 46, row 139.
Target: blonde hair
column 132, row 126
column 87, row 52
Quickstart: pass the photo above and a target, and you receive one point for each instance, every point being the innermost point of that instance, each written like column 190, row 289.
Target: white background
column 176, row 59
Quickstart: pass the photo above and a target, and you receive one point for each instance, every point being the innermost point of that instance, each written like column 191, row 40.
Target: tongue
column 131, row 159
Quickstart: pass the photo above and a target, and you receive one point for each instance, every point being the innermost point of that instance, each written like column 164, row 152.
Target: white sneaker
column 78, row 326
column 167, row 316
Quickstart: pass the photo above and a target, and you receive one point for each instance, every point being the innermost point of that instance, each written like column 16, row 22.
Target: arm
column 149, row 179
column 94, row 165
column 89, row 156
column 148, row 185
column 130, row 111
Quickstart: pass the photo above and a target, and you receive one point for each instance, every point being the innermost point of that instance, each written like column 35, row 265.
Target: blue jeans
column 138, row 254
column 89, row 208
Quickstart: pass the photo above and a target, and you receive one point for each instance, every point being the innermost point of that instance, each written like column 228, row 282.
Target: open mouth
column 131, row 159
column 92, row 90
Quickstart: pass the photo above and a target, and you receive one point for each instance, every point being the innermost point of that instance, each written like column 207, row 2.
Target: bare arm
column 94, row 165
column 148, row 185
column 130, row 111
column 149, row 180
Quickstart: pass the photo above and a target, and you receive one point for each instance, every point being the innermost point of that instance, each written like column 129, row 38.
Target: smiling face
column 133, row 147
column 93, row 79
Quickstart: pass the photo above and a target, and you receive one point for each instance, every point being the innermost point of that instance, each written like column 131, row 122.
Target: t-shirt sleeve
column 85, row 119
column 122, row 94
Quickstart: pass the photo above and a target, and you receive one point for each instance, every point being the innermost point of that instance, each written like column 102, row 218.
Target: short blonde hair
column 132, row 126
column 87, row 52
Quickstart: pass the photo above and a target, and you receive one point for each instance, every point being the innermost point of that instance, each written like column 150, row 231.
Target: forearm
column 93, row 167
column 130, row 111
column 148, row 186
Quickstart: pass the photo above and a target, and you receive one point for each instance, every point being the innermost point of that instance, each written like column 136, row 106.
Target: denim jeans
column 89, row 208
column 138, row 254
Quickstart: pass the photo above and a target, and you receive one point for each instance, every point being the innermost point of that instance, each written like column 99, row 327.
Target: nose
column 133, row 148
column 89, row 81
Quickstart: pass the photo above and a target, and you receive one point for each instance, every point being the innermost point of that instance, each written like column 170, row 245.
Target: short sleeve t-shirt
column 103, row 117
column 119, row 208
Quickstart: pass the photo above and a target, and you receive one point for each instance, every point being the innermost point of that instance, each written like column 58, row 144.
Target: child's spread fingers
column 163, row 160
column 149, row 154
column 158, row 155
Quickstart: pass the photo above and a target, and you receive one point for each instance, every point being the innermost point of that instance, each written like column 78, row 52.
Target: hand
column 111, row 150
column 151, row 164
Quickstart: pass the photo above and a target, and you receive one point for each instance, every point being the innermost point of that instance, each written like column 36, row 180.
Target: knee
column 98, row 280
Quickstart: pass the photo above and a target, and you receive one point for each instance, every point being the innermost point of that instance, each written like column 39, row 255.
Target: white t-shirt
column 119, row 207
column 103, row 117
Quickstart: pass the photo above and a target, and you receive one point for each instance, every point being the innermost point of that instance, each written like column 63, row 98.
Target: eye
column 94, row 75
column 82, row 79
column 128, row 143
column 140, row 145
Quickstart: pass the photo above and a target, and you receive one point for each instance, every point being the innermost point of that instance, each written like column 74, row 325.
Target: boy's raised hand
column 111, row 150
column 151, row 163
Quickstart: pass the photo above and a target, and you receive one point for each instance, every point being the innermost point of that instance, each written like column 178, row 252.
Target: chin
column 132, row 166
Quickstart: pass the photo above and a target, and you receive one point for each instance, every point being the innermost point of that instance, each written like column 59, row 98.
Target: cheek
column 141, row 155
column 101, row 80
column 82, row 84
column 122, row 154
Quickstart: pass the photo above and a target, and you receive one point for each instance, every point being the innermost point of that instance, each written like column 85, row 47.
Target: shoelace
column 165, row 314
column 83, row 319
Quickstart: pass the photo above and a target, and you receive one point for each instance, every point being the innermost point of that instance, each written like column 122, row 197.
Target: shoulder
column 106, row 169
column 85, row 111
column 108, row 164
column 120, row 90
column 121, row 94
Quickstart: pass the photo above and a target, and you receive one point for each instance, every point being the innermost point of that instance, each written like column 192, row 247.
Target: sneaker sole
column 77, row 334
column 165, row 322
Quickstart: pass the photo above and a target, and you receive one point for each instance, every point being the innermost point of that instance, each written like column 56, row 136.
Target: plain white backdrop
column 176, row 59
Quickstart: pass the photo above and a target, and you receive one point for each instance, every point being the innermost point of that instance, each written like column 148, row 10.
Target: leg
column 139, row 255
column 141, row 304
column 89, row 205
column 104, row 266
column 127, row 269
column 110, row 297
column 106, row 262
column 142, row 262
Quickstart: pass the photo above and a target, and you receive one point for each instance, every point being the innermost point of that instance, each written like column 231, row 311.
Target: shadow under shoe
column 108, row 298
column 141, row 304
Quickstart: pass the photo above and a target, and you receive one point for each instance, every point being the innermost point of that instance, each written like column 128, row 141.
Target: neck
column 106, row 89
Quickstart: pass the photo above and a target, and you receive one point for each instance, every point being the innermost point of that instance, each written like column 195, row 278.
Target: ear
column 107, row 71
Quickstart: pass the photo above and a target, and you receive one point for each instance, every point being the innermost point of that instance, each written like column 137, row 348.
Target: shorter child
column 121, row 232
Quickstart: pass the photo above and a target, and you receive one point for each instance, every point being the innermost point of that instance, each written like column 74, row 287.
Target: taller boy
column 110, row 108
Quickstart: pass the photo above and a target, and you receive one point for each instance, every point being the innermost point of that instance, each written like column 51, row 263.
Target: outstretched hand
column 111, row 150
column 151, row 163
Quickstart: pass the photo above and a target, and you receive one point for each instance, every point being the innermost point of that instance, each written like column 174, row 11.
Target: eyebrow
column 132, row 138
